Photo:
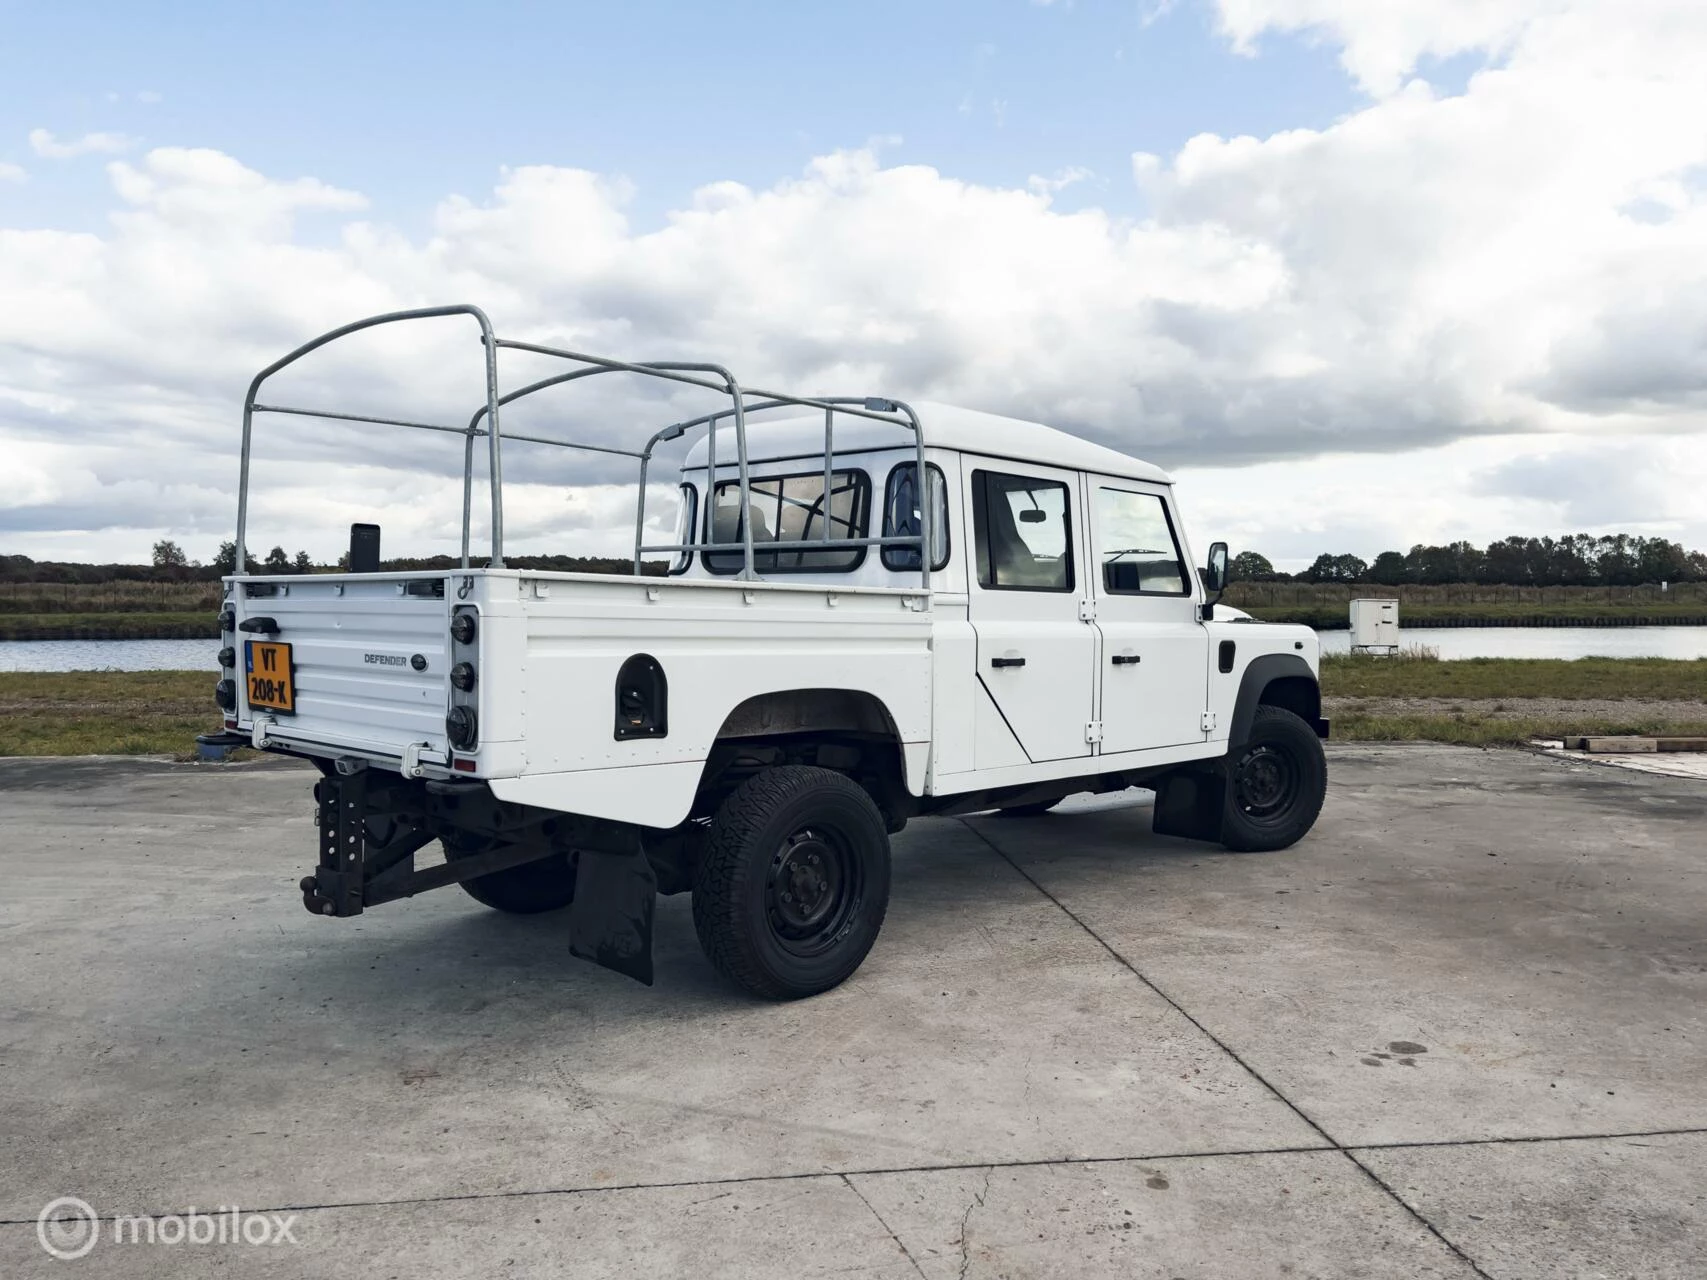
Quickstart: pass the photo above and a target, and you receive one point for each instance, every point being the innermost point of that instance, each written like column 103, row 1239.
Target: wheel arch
column 1276, row 680
column 798, row 718
column 828, row 708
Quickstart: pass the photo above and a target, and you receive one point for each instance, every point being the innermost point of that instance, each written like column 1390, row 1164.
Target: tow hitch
column 357, row 871
column 372, row 825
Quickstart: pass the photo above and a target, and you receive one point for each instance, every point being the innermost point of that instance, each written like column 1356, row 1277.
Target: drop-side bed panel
column 719, row 644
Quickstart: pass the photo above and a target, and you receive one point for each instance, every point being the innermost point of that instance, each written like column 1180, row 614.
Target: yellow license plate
column 272, row 679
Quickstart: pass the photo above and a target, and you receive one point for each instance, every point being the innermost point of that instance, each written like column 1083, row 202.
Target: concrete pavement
column 1458, row 1031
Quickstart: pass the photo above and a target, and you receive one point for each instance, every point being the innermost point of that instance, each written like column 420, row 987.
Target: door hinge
column 1087, row 611
column 1093, row 732
column 1209, row 722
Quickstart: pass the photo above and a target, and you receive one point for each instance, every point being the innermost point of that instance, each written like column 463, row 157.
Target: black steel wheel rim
column 1266, row 783
column 812, row 890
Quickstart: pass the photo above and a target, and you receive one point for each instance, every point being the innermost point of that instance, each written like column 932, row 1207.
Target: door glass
column 1139, row 553
column 1021, row 527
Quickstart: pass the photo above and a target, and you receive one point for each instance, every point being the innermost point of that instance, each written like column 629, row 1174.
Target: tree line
column 1574, row 560
column 169, row 564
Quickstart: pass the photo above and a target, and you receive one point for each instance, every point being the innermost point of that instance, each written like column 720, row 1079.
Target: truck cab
column 870, row 610
column 1067, row 622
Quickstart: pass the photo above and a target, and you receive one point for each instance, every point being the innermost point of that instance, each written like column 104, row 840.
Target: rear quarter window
column 787, row 514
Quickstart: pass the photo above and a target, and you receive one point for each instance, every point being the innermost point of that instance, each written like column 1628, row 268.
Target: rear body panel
column 370, row 660
column 372, row 666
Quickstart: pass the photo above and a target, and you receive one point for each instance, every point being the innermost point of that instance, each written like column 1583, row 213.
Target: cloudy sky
column 1363, row 274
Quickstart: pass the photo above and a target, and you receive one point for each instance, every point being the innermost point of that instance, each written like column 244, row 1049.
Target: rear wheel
column 794, row 883
column 545, row 885
column 1275, row 783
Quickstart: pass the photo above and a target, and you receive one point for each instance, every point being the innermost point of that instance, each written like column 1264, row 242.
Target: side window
column 902, row 516
column 686, row 522
column 788, row 514
column 1140, row 555
column 1023, row 530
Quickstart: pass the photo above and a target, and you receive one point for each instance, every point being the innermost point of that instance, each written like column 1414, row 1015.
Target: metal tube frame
column 720, row 379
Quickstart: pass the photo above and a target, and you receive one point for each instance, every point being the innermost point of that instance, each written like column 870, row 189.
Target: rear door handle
column 1007, row 662
column 1125, row 659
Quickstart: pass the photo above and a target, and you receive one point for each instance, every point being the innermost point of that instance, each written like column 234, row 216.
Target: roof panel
column 945, row 427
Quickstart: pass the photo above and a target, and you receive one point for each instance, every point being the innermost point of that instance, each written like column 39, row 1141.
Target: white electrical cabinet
column 1374, row 626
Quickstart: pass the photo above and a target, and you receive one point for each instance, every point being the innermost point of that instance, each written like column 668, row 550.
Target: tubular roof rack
column 484, row 423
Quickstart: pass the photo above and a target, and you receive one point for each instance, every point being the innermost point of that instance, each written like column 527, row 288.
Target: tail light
column 461, row 727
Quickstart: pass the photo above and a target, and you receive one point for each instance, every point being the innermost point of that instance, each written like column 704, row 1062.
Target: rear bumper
column 412, row 759
column 1322, row 723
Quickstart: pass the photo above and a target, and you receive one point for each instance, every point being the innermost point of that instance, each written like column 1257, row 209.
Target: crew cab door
column 1036, row 655
column 1154, row 674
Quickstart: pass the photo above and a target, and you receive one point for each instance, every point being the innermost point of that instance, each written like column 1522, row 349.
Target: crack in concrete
column 1042, row 1162
column 977, row 1202
column 899, row 1244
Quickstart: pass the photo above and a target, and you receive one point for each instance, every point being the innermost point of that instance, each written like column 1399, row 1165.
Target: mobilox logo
column 69, row 1228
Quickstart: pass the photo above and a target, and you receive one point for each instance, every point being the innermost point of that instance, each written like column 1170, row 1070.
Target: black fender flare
column 1262, row 672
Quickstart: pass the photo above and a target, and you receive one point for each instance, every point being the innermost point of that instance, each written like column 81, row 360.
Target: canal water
column 109, row 655
column 1452, row 642
column 1545, row 642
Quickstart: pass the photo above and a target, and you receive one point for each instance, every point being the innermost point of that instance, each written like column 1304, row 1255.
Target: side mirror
column 1214, row 579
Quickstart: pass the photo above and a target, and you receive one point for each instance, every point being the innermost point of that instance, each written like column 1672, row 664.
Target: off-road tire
column 1275, row 783
column 1029, row 810
column 792, row 841
column 529, row 889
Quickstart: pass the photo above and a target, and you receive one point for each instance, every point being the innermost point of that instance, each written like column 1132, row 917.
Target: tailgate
column 368, row 657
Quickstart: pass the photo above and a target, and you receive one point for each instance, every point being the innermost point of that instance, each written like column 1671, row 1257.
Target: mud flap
column 610, row 921
column 1189, row 805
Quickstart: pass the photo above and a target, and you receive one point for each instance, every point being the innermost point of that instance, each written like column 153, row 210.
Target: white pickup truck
column 835, row 648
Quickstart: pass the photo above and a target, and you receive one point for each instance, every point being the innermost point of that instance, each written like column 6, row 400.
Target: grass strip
column 109, row 626
column 73, row 713
column 160, row 712
column 1411, row 676
column 1486, row 731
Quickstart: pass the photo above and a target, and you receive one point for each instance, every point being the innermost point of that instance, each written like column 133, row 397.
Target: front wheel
column 794, row 883
column 1275, row 783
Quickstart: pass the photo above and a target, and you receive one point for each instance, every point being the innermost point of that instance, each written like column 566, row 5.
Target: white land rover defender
column 872, row 611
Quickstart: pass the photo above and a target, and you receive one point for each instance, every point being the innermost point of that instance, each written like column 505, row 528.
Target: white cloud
column 1059, row 181
column 1438, row 315
column 48, row 146
column 148, row 97
column 1478, row 489
column 12, row 173
column 1381, row 43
